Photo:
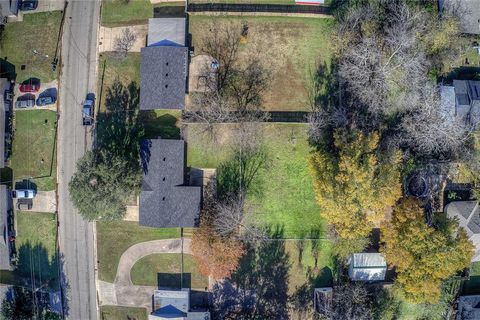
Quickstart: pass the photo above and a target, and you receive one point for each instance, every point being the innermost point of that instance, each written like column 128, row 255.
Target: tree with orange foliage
column 216, row 256
column 424, row 256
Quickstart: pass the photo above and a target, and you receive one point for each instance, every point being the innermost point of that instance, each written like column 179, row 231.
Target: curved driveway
column 141, row 250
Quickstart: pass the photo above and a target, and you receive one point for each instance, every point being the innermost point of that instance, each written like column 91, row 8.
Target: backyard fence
column 247, row 7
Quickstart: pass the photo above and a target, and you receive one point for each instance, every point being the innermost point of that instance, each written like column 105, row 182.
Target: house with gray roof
column 163, row 65
column 462, row 100
column 166, row 200
column 468, row 215
column 175, row 304
column 5, row 111
column 470, row 17
column 6, row 225
column 468, row 307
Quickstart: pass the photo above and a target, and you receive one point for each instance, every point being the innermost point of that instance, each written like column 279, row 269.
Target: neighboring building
column 470, row 22
column 5, row 111
column 310, row 2
column 175, row 304
column 468, row 308
column 166, row 200
column 322, row 300
column 8, row 10
column 163, row 66
column 6, row 225
column 468, row 215
column 367, row 267
column 462, row 100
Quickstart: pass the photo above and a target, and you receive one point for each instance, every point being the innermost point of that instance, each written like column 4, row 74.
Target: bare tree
column 383, row 57
column 236, row 218
column 125, row 41
column 350, row 301
column 234, row 86
column 222, row 43
column 432, row 130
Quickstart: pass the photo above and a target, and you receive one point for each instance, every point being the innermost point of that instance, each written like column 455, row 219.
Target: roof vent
column 163, row 199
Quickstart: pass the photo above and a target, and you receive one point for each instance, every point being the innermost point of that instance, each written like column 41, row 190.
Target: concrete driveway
column 123, row 292
column 50, row 86
column 44, row 201
column 107, row 37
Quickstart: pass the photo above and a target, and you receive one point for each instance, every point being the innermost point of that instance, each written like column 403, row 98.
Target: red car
column 28, row 87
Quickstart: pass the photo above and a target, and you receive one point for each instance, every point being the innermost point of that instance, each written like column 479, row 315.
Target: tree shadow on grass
column 36, row 267
column 301, row 301
column 259, row 287
column 240, row 173
column 164, row 126
column 118, row 130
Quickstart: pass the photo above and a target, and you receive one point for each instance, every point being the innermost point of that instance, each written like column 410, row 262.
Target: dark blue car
column 28, row 5
column 45, row 101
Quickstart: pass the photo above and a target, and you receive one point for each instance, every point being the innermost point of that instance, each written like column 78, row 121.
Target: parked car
column 24, row 204
column 45, row 101
column 24, row 194
column 26, row 101
column 29, row 87
column 28, row 5
column 87, row 112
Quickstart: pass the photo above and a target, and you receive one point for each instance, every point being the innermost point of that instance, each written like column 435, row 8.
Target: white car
column 24, row 194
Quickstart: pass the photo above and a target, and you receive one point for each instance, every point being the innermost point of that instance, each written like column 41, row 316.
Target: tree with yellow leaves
column 352, row 187
column 424, row 256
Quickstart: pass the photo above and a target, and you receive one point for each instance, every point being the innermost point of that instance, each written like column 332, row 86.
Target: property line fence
column 248, row 7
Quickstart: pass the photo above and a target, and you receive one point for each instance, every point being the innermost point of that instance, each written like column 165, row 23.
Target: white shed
column 367, row 267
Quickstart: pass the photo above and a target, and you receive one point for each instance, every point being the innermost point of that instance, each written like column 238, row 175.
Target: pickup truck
column 87, row 111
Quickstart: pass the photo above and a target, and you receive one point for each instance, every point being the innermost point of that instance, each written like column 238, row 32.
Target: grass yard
column 33, row 151
column 114, row 237
column 285, row 198
column 35, row 244
column 111, row 67
column 290, row 47
column 164, row 270
column 302, row 263
column 37, row 31
column 117, row 13
column 246, row 1
column 122, row 313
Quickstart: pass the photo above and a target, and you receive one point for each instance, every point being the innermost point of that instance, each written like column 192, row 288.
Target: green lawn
column 111, row 67
column 122, row 313
column 302, row 263
column 34, row 152
column 164, row 270
column 38, row 31
column 114, row 237
column 246, row 1
column 285, row 196
column 36, row 250
column 123, row 13
column 290, row 48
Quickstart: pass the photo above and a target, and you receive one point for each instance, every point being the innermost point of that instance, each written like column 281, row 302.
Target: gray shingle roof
column 163, row 77
column 166, row 32
column 4, row 239
column 165, row 200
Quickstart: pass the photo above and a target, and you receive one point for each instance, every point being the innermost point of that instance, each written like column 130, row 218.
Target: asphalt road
column 76, row 236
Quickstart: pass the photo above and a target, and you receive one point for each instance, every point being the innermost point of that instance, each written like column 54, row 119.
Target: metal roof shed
column 166, row 32
column 367, row 267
